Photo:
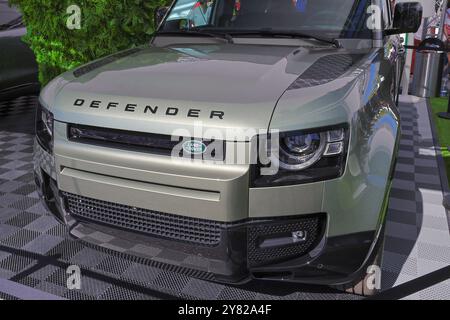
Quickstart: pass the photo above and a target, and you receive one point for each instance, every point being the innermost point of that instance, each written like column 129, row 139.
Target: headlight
column 300, row 151
column 47, row 119
column 306, row 156
column 44, row 128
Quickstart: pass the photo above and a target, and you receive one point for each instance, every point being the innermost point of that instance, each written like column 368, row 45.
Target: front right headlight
column 44, row 128
column 299, row 151
column 306, row 156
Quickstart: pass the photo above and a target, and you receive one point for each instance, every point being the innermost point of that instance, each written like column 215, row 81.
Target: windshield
column 329, row 19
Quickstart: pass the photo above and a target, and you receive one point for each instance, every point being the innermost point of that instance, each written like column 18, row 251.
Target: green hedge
column 107, row 26
column 443, row 128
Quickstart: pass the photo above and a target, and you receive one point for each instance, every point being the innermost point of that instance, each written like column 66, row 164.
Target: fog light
column 277, row 241
column 283, row 239
column 299, row 236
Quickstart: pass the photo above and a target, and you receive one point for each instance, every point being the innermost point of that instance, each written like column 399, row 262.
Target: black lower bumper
column 293, row 248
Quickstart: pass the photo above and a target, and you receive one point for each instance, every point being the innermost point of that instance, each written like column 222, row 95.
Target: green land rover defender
column 251, row 139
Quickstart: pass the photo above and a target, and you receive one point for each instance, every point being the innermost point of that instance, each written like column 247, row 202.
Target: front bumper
column 235, row 252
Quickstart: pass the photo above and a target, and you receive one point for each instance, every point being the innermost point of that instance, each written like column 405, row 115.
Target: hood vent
column 325, row 69
column 103, row 62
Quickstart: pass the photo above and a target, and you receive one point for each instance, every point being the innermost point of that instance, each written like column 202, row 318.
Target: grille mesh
column 148, row 222
column 260, row 256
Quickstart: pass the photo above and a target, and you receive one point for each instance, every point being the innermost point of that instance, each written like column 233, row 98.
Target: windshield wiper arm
column 287, row 33
column 219, row 35
column 222, row 35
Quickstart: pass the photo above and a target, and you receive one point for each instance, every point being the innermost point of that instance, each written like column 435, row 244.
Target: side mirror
column 407, row 18
column 160, row 13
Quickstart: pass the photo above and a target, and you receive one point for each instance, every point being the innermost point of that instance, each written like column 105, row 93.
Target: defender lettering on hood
column 132, row 107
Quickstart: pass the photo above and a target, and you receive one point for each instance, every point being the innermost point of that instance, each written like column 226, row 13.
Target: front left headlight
column 305, row 156
column 44, row 128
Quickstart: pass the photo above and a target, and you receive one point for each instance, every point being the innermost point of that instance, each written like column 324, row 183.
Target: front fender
column 355, row 201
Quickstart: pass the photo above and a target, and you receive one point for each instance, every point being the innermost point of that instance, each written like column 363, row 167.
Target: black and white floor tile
column 417, row 240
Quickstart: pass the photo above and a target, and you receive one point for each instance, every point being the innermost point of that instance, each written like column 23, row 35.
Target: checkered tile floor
column 35, row 250
column 417, row 239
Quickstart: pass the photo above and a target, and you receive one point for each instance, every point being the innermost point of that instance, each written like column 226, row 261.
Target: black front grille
column 260, row 256
column 143, row 142
column 147, row 222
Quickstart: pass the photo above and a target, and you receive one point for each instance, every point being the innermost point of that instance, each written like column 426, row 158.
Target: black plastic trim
column 42, row 136
column 159, row 144
column 331, row 261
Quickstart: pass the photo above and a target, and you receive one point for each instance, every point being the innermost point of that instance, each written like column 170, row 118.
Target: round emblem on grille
column 194, row 147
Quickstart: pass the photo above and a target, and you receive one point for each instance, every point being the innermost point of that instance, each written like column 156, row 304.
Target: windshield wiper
column 285, row 33
column 199, row 33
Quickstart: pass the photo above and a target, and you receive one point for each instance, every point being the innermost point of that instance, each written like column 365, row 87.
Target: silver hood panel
column 227, row 86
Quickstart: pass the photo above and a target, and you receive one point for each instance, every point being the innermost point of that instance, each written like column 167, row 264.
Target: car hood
column 153, row 89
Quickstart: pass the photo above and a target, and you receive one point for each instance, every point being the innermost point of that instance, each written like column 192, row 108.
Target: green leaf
column 107, row 26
